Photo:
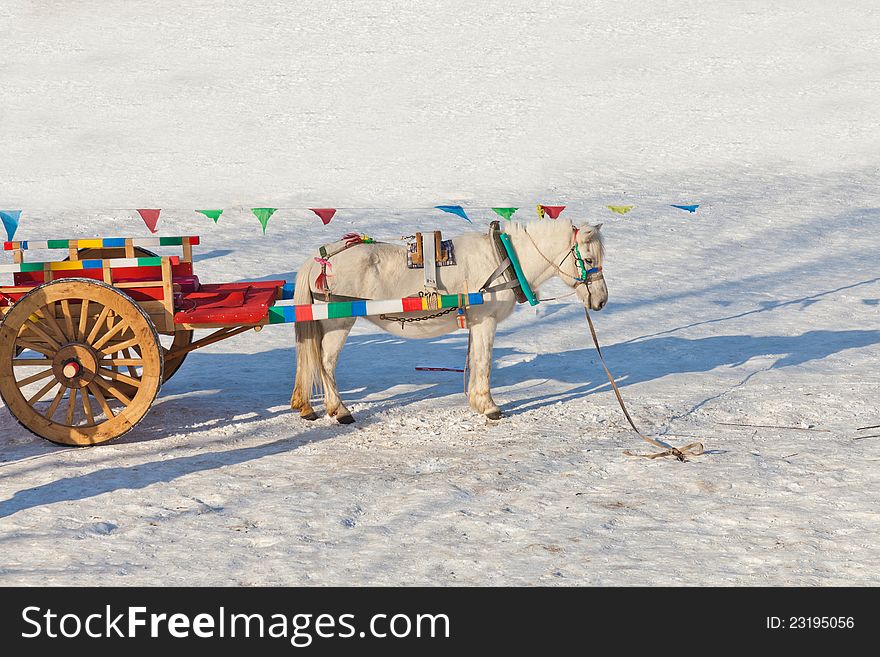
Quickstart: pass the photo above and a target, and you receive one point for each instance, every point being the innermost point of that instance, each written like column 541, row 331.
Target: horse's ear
column 590, row 231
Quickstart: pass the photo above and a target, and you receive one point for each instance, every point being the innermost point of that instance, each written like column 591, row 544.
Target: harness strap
column 501, row 254
column 429, row 260
column 495, row 274
column 681, row 453
column 506, row 285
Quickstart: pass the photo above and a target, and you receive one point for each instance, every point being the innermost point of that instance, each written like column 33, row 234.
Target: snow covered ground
column 760, row 309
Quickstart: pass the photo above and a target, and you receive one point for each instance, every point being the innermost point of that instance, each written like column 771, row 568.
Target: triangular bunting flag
column 326, row 214
column 506, row 213
column 263, row 215
column 551, row 211
column 151, row 218
column 620, row 209
column 211, row 214
column 10, row 221
column 454, row 209
column 689, row 208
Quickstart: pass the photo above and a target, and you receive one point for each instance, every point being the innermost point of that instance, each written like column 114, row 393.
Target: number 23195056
column 810, row 622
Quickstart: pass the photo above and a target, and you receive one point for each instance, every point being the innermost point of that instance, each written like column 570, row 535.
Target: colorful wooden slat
column 71, row 265
column 100, row 242
column 285, row 312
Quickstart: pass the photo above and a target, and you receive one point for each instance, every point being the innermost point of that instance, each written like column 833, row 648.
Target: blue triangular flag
column 689, row 208
column 10, row 221
column 454, row 209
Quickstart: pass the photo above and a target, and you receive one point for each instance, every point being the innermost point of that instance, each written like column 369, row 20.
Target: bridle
column 585, row 276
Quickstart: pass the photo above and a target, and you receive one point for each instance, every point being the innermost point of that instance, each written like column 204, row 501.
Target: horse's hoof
column 345, row 419
column 494, row 415
column 310, row 417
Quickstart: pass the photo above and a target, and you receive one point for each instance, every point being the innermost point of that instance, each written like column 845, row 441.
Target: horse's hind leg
column 482, row 338
column 335, row 333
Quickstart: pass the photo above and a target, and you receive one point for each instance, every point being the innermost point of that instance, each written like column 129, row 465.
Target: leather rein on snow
column 681, row 453
column 585, row 277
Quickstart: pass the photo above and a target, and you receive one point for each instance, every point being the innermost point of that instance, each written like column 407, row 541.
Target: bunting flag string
column 263, row 215
column 505, row 213
column 12, row 218
column 454, row 209
column 326, row 214
column 10, row 221
column 211, row 214
column 151, row 218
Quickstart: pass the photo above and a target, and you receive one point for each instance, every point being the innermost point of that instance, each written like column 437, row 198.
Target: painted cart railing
column 86, row 342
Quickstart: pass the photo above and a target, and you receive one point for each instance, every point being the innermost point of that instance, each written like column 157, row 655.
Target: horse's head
column 586, row 258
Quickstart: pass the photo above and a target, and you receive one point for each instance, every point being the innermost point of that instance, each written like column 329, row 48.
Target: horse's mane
column 550, row 227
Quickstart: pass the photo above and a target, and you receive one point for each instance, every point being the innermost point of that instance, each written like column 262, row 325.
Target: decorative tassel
column 322, row 282
column 357, row 238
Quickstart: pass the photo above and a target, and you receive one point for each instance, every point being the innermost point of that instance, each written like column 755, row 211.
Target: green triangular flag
column 620, row 209
column 211, row 214
column 263, row 215
column 504, row 212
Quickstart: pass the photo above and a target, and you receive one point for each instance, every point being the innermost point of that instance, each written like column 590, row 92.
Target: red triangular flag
column 553, row 211
column 151, row 218
column 326, row 214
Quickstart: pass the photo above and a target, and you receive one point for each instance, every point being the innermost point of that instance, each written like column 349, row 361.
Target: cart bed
column 227, row 303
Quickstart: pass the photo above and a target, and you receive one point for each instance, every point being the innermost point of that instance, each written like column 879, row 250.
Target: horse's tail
column 308, row 347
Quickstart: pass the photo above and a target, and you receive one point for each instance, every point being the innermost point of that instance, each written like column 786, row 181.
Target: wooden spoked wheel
column 69, row 384
column 170, row 342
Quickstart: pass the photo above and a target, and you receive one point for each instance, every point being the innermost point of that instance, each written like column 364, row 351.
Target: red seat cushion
column 187, row 283
column 227, row 303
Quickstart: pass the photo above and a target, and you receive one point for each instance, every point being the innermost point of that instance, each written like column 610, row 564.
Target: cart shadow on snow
column 142, row 475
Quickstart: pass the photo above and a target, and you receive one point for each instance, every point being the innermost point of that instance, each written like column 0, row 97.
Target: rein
column 680, row 453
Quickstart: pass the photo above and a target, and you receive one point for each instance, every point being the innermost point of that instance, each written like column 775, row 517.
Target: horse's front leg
column 482, row 337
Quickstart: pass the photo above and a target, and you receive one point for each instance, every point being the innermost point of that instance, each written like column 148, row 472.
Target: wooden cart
column 86, row 342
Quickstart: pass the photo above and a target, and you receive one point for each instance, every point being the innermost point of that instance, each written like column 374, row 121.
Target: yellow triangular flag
column 620, row 209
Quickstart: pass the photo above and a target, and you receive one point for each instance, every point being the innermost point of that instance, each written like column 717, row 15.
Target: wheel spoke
column 34, row 326
column 113, row 390
column 48, row 313
column 102, row 401
column 83, row 320
column 135, row 362
column 36, row 377
column 119, row 376
column 117, row 347
column 54, row 406
column 68, row 319
column 42, row 349
column 71, row 406
column 131, row 368
column 120, row 326
column 42, row 393
column 30, row 362
column 87, row 407
column 97, row 326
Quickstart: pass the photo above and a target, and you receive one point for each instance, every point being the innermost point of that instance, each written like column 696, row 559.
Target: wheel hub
column 75, row 365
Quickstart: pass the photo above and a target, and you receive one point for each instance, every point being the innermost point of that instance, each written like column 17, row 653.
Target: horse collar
column 517, row 269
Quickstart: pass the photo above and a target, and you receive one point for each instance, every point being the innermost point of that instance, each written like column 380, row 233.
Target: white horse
column 379, row 271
